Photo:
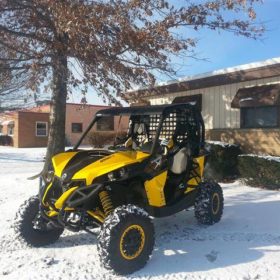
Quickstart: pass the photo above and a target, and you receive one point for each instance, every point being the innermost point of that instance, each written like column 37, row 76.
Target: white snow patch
column 220, row 143
column 270, row 158
column 244, row 245
column 246, row 99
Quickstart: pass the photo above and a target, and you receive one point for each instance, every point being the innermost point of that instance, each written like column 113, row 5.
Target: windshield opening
column 143, row 132
column 140, row 133
column 179, row 125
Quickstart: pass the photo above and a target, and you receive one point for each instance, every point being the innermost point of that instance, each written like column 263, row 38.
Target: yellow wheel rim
column 215, row 203
column 129, row 249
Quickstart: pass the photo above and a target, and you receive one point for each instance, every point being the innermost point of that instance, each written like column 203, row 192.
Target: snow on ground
column 244, row 245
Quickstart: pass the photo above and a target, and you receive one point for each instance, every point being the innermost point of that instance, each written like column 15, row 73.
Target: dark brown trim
column 265, row 95
column 217, row 80
column 197, row 98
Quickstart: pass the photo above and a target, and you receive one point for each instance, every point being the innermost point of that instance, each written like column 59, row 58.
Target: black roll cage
column 163, row 110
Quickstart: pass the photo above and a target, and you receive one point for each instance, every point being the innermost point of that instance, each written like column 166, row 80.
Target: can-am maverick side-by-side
column 155, row 171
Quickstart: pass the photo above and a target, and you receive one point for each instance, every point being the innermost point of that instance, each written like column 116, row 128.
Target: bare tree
column 115, row 44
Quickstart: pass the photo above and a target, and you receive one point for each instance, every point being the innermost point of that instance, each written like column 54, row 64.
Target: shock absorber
column 106, row 202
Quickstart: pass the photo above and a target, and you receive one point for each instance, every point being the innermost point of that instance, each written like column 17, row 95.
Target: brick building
column 29, row 128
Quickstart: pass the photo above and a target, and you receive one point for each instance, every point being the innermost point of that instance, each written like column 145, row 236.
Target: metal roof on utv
column 144, row 110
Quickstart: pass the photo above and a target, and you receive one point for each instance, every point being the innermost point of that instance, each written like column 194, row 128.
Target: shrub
column 6, row 140
column 99, row 139
column 222, row 161
column 260, row 171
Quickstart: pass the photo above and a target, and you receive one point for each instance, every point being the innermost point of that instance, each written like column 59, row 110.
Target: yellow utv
column 155, row 171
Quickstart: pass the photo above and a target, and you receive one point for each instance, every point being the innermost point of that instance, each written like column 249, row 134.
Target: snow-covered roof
column 7, row 122
column 237, row 68
column 228, row 70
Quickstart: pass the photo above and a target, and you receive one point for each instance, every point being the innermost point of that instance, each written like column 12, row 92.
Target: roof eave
column 210, row 81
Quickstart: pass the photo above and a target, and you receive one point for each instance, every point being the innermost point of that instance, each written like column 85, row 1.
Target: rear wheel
column 32, row 227
column 209, row 203
column 126, row 240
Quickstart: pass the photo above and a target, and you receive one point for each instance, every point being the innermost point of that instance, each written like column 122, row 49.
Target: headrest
column 139, row 128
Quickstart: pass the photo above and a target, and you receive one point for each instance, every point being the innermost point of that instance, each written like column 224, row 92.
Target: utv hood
column 84, row 166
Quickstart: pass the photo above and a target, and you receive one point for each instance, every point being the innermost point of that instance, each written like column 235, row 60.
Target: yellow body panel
column 155, row 190
column 98, row 215
column 108, row 164
column 60, row 160
column 200, row 161
column 194, row 181
column 90, row 172
column 200, row 170
column 60, row 202
column 52, row 213
column 45, row 194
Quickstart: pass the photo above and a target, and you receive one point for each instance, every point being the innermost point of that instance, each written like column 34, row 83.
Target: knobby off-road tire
column 209, row 203
column 25, row 225
column 126, row 240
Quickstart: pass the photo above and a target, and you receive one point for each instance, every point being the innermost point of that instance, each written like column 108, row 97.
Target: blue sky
column 225, row 50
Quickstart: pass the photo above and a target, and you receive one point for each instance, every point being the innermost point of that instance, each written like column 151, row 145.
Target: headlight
column 49, row 176
column 117, row 174
column 111, row 176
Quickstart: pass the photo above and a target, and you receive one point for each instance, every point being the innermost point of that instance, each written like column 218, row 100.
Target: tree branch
column 23, row 34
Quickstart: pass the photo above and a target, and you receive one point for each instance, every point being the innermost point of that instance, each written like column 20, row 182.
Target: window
column 77, row 127
column 260, row 117
column 11, row 129
column 105, row 124
column 41, row 129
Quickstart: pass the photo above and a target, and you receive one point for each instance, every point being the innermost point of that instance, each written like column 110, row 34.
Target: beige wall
column 216, row 102
column 257, row 141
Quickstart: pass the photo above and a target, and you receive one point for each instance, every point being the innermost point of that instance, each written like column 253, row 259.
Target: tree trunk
column 56, row 140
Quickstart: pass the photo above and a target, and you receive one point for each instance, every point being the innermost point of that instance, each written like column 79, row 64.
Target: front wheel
column 209, row 203
column 126, row 240
column 34, row 229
